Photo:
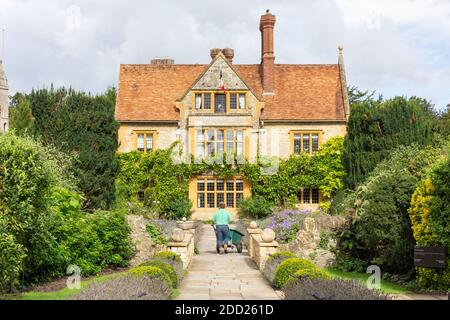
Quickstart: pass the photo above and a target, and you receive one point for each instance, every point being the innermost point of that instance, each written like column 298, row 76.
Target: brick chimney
column 227, row 52
column 266, row 27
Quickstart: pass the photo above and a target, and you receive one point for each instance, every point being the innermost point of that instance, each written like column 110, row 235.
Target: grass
column 386, row 286
column 65, row 293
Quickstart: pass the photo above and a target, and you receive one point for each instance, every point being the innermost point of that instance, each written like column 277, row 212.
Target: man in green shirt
column 222, row 219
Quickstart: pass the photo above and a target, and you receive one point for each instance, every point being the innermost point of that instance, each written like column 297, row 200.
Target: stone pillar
column 252, row 232
column 260, row 250
column 185, row 249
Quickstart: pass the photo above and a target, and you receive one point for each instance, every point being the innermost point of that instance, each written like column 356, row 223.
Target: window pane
column 230, row 200
column 200, row 136
column 211, row 149
column 220, row 106
column 240, row 136
column 200, row 149
column 210, row 200
column 242, row 101
column 239, row 185
column 306, row 196
column 233, row 101
column 200, row 200
column 149, row 142
column 220, row 185
column 306, row 140
column 230, row 185
column 220, row 135
column 240, row 148
column 219, row 147
column 140, row 142
column 141, row 195
column 220, row 198
column 315, row 142
column 207, row 101
column 315, row 196
column 211, row 135
column 198, row 101
column 297, row 143
column 239, row 197
column 210, row 185
column 230, row 135
column 230, row 147
column 200, row 185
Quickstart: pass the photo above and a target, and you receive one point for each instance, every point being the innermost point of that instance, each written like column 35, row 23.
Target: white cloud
column 396, row 47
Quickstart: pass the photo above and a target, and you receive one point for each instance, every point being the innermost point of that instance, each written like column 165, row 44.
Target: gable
column 219, row 74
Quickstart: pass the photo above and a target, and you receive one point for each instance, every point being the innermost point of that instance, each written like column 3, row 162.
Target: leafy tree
column 430, row 218
column 84, row 125
column 380, row 232
column 377, row 127
column 21, row 115
column 444, row 122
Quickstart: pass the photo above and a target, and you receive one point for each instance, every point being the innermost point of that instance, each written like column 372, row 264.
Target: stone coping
column 254, row 231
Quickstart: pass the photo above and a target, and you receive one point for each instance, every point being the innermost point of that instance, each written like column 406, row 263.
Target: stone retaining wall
column 259, row 250
column 308, row 240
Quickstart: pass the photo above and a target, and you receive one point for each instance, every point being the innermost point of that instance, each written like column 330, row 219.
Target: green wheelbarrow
column 234, row 240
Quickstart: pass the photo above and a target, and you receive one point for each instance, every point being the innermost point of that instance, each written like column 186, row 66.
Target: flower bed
column 286, row 223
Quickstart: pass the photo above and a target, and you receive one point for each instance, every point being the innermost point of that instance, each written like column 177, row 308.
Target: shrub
column 127, row 287
column 380, row 232
column 173, row 259
column 156, row 234
column 29, row 173
column 311, row 273
column 12, row 255
column 430, row 216
column 164, row 266
column 95, row 241
column 330, row 289
column 285, row 271
column 256, row 207
column 287, row 223
column 272, row 263
column 152, row 272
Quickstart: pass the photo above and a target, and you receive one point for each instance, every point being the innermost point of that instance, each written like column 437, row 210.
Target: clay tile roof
column 305, row 92
column 148, row 92
column 302, row 92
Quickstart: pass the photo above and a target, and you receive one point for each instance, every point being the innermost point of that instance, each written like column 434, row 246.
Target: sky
column 396, row 47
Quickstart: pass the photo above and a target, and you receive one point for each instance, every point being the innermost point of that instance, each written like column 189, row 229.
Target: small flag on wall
column 222, row 83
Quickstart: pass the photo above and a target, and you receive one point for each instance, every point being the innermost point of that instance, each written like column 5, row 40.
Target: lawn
column 66, row 293
column 386, row 286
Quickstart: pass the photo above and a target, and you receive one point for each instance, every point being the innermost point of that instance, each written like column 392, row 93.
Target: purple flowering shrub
column 286, row 223
column 330, row 289
column 127, row 287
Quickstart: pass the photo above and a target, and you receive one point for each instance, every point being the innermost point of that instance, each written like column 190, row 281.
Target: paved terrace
column 231, row 276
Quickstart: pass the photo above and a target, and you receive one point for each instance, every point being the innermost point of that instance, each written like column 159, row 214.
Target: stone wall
column 308, row 241
column 185, row 249
column 145, row 248
column 258, row 249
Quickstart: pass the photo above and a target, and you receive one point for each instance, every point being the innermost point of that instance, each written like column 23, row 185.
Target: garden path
column 231, row 276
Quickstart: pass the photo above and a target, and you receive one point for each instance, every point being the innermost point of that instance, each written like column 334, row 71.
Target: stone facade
column 4, row 100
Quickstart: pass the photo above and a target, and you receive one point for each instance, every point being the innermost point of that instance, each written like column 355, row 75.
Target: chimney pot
column 229, row 54
column 162, row 62
column 215, row 52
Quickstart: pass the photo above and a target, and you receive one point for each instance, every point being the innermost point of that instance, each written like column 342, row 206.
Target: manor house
column 244, row 110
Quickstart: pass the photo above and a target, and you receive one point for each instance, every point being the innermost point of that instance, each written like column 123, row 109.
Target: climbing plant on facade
column 164, row 181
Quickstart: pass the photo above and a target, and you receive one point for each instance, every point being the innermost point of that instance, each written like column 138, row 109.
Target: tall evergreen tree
column 82, row 124
column 376, row 127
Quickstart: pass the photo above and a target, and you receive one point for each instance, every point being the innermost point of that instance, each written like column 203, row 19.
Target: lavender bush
column 330, row 289
column 273, row 262
column 127, row 287
column 286, row 223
